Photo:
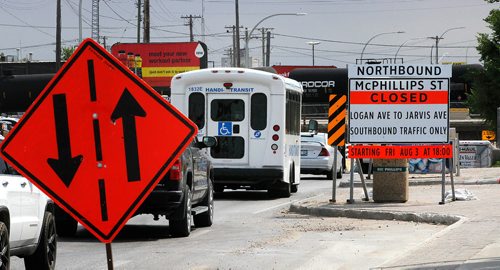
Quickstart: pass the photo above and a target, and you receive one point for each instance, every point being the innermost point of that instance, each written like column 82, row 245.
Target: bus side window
column 197, row 109
column 258, row 114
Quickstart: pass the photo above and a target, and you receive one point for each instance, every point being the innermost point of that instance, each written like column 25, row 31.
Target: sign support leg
column 456, row 155
column 370, row 166
column 443, row 181
column 334, row 185
column 361, row 175
column 109, row 256
column 452, row 166
column 351, row 190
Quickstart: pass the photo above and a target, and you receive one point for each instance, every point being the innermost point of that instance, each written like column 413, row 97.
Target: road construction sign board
column 398, row 103
column 97, row 140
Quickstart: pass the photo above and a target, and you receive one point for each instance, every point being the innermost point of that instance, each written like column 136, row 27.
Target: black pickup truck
column 184, row 194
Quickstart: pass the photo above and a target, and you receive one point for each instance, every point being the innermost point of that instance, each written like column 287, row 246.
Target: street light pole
column 313, row 43
column 437, row 38
column 377, row 35
column 247, row 38
column 404, row 43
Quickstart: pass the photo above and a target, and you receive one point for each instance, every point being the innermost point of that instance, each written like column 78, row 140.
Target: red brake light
column 324, row 153
column 276, row 127
column 228, row 85
column 276, row 137
column 176, row 171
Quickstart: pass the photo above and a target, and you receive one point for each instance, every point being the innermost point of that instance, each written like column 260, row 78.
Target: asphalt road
column 250, row 231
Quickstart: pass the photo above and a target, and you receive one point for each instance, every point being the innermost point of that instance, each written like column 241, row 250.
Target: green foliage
column 485, row 96
column 67, row 52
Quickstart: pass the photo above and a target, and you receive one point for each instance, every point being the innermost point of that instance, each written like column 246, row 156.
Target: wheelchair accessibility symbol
column 225, row 128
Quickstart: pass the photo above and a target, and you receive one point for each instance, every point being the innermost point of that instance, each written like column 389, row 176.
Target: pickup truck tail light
column 176, row 171
column 324, row 153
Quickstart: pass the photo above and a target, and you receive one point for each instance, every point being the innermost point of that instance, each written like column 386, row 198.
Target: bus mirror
column 313, row 126
column 209, row 141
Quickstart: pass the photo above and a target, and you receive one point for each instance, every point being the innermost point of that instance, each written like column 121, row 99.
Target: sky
column 343, row 28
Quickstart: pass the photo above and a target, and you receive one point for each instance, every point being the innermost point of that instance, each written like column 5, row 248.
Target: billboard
column 157, row 63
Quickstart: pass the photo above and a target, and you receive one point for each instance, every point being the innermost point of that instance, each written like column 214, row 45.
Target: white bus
column 255, row 116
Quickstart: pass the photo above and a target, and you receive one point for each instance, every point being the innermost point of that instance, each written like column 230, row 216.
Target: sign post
column 97, row 140
column 336, row 131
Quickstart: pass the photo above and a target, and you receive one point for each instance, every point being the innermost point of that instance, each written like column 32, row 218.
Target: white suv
column 27, row 225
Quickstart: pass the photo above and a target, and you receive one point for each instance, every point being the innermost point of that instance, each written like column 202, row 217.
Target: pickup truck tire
column 182, row 227
column 206, row 219
column 4, row 247
column 66, row 227
column 45, row 254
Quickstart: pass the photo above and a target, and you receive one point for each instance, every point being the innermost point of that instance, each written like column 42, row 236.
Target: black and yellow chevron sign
column 336, row 120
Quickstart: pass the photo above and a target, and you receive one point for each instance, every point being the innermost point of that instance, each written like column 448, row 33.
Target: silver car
column 316, row 156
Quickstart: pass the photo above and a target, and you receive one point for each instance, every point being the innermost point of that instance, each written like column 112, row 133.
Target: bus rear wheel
column 280, row 190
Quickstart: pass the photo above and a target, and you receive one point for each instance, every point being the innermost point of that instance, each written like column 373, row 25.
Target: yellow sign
column 488, row 135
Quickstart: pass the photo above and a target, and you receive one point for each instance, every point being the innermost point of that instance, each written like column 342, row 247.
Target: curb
column 431, row 218
column 369, row 183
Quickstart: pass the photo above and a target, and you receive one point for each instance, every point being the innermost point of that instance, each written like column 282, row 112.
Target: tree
column 67, row 52
column 485, row 92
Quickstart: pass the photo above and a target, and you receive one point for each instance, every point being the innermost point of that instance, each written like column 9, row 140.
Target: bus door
column 228, row 120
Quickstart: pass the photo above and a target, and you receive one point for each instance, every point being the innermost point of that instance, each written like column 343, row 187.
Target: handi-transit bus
column 255, row 116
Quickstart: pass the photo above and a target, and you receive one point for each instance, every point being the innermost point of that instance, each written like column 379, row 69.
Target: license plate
column 303, row 152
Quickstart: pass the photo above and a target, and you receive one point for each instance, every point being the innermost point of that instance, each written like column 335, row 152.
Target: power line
column 17, row 18
column 117, row 14
column 371, row 44
column 356, row 53
column 38, row 45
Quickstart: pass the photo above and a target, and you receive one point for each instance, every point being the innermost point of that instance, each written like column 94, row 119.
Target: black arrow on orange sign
column 65, row 166
column 128, row 108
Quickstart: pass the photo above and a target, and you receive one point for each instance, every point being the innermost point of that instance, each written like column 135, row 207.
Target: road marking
column 283, row 204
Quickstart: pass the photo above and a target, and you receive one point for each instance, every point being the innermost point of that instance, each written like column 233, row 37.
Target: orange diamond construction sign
column 97, row 140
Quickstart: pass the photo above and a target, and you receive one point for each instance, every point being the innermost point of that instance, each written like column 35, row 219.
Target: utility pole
column 437, row 38
column 146, row 21
column 237, row 51
column 246, row 58
column 233, row 60
column 203, row 21
column 58, row 35
column 190, row 24
column 263, row 46
column 139, row 19
column 104, row 42
column 264, row 30
column 268, row 49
